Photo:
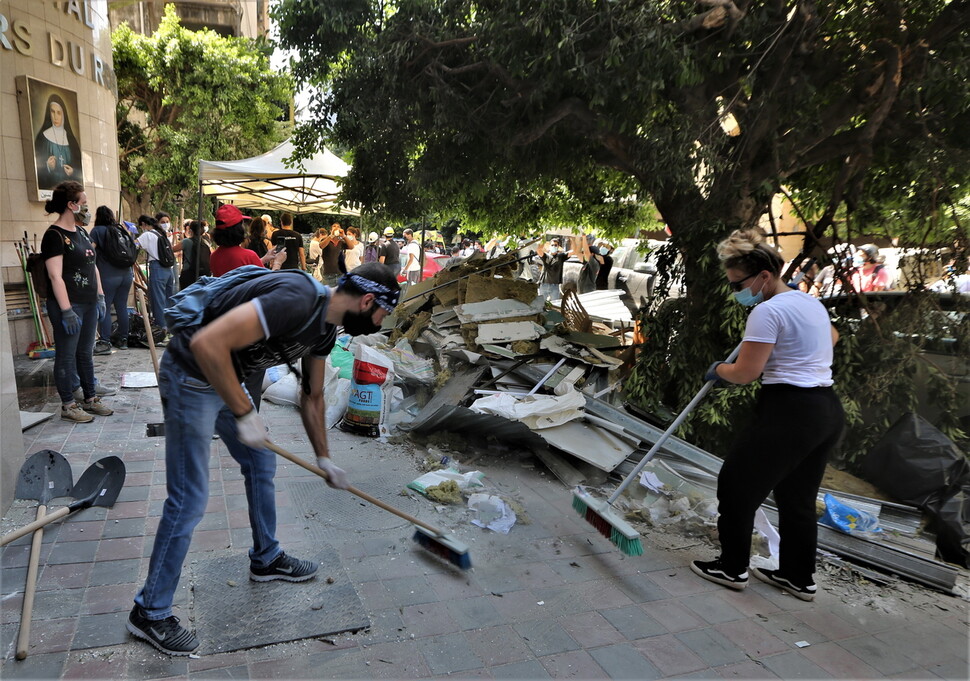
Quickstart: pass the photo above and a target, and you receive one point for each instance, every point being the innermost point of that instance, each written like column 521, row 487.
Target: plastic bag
column 917, row 464
column 491, row 512
column 273, row 374
column 285, row 391
column 370, row 393
column 849, row 520
column 343, row 361
column 432, row 478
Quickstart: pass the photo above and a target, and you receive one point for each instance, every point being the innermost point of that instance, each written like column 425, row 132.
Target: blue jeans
column 192, row 410
column 161, row 288
column 116, row 283
column 550, row 292
column 74, row 355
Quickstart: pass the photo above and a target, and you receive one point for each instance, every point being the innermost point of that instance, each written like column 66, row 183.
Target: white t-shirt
column 149, row 241
column 413, row 249
column 799, row 327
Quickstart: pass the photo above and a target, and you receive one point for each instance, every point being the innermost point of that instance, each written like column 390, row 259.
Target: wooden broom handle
column 148, row 330
column 30, row 588
column 36, row 525
column 353, row 490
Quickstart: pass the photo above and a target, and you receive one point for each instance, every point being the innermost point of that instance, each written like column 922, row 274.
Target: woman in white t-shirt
column 798, row 419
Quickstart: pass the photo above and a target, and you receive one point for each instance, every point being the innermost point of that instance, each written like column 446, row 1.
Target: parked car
column 634, row 272
column 432, row 265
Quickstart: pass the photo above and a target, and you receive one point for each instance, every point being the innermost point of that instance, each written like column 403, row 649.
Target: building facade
column 54, row 56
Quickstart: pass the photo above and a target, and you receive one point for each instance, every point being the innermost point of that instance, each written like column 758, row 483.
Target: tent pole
column 198, row 237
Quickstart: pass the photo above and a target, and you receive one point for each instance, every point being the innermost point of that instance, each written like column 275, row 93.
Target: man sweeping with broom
column 246, row 321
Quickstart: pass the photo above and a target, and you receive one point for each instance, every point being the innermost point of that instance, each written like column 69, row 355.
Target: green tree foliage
column 189, row 95
column 586, row 110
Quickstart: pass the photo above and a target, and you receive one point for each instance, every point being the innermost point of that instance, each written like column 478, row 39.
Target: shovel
column 44, row 476
column 99, row 485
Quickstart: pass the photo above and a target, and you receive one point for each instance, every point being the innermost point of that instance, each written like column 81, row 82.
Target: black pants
column 784, row 450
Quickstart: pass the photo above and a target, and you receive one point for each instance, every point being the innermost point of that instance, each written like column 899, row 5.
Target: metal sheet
column 588, row 443
column 234, row 613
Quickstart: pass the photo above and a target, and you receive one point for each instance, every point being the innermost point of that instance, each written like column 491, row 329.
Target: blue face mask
column 748, row 299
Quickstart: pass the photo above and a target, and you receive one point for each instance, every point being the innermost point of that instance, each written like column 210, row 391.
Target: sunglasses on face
column 737, row 285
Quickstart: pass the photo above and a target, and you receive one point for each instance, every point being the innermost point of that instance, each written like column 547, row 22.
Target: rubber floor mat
column 233, row 612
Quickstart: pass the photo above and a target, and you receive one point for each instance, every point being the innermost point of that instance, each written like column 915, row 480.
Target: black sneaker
column 713, row 571
column 285, row 567
column 102, row 347
column 167, row 635
column 806, row 592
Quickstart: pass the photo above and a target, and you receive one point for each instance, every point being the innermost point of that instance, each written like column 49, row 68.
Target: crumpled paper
column 491, row 512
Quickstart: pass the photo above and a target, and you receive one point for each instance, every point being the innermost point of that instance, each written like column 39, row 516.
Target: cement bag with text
column 370, row 393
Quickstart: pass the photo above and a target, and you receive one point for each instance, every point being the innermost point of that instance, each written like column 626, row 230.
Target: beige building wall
column 67, row 44
column 240, row 18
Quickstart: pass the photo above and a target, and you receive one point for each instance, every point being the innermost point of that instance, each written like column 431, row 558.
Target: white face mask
column 165, row 226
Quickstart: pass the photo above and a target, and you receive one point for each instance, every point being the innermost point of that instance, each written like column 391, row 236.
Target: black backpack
column 166, row 256
column 120, row 248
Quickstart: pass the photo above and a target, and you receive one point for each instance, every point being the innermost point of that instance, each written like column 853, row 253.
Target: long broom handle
column 36, row 525
column 148, row 329
column 706, row 388
column 353, row 490
column 30, row 588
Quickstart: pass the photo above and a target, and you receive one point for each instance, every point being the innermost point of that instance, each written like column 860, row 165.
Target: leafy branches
column 189, row 95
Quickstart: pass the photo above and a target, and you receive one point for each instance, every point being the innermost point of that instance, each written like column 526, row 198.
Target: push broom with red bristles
column 427, row 536
column 601, row 514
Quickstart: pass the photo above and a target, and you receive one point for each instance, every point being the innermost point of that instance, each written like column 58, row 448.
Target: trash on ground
column 464, row 481
column 491, row 512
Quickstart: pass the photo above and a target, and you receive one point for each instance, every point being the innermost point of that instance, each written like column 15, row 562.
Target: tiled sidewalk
column 550, row 599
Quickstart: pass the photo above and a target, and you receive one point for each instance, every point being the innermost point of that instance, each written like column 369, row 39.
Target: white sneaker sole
column 276, row 577
column 737, row 586
column 801, row 595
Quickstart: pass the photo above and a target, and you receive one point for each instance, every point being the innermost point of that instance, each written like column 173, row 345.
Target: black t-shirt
column 552, row 267
column 292, row 242
column 603, row 276
column 284, row 302
column 330, row 255
column 79, row 262
column 392, row 255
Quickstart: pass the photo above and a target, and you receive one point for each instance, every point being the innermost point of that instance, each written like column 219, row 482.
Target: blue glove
column 711, row 375
column 102, row 307
column 70, row 321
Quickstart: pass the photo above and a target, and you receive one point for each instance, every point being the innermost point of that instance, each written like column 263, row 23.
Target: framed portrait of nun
column 51, row 138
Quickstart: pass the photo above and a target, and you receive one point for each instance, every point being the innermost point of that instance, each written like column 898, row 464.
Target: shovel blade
column 44, row 476
column 101, row 483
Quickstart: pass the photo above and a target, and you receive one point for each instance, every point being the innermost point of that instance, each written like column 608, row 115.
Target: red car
column 432, row 265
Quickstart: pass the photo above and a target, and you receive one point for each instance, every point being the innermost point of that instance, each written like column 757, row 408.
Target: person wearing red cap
column 229, row 234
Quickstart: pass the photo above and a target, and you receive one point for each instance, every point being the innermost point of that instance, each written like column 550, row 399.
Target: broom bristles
column 605, row 521
column 445, row 547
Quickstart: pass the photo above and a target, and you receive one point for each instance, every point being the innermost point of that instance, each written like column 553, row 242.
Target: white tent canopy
column 266, row 182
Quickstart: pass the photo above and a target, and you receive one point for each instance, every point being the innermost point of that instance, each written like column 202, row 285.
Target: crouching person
column 260, row 322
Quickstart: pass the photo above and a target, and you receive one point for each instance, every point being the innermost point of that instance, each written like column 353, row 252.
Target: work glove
column 711, row 375
column 336, row 476
column 70, row 321
column 102, row 307
column 250, row 429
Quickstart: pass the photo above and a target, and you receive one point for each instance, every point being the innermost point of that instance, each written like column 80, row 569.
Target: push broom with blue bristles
column 601, row 514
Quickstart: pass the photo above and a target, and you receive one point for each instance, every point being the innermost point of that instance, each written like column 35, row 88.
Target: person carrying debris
column 551, row 256
column 263, row 320
column 788, row 342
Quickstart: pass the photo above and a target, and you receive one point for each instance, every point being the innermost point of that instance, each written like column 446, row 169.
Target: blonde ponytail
column 747, row 250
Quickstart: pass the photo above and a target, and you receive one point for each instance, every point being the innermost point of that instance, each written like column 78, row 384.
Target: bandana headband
column 384, row 296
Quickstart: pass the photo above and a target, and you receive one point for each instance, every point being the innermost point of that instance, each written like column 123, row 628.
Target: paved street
column 550, row 599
